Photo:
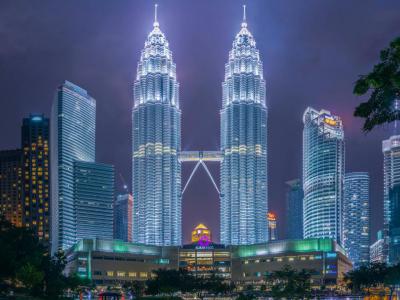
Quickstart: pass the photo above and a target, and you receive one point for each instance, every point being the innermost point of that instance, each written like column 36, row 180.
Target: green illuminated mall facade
column 113, row 262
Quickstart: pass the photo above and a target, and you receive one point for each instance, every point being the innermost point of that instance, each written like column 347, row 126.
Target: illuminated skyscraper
column 391, row 179
column 244, row 144
column 156, row 145
column 123, row 208
column 72, row 134
column 294, row 209
column 10, row 186
column 272, row 231
column 323, row 174
column 35, row 175
column 356, row 217
column 94, row 197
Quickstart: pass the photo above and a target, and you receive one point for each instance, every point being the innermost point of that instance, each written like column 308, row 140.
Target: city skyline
column 202, row 139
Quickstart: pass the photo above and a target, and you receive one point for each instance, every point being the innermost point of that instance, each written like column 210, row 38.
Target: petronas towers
column 156, row 145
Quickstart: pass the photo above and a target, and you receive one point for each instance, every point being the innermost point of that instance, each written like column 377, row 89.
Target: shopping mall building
column 113, row 262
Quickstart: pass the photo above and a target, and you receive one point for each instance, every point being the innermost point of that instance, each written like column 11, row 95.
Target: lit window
column 143, row 275
column 110, row 273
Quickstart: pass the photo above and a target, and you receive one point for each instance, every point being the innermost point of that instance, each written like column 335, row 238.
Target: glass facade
column 94, row 196
column 72, row 133
column 356, row 217
column 323, row 174
column 156, row 172
column 294, row 209
column 244, row 145
column 35, row 175
column 123, row 208
column 394, row 225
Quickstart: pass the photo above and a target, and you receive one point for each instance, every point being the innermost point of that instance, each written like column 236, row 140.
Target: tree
column 383, row 86
column 25, row 261
column 290, row 283
column 171, row 281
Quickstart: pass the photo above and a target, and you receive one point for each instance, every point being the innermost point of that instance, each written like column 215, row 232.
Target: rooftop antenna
column 155, row 16
column 244, row 23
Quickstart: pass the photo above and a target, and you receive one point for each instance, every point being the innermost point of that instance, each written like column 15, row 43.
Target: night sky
column 313, row 51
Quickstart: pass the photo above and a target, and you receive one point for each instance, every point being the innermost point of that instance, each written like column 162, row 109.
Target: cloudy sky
column 313, row 51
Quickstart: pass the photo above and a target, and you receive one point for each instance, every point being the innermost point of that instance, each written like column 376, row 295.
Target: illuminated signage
column 330, row 122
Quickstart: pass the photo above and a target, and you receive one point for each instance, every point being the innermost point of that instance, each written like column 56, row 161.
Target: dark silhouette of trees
column 25, row 262
column 382, row 85
column 289, row 283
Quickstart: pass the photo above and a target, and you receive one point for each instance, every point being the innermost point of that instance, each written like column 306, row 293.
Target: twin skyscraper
column 157, row 189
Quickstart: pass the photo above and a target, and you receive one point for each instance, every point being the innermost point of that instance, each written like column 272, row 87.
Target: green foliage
column 383, row 85
column 25, row 261
column 172, row 281
column 290, row 283
column 371, row 276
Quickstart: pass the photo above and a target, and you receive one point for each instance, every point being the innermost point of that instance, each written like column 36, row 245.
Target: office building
column 123, row 218
column 394, row 225
column 156, row 145
column 391, row 178
column 10, row 186
column 35, row 180
column 72, row 135
column 376, row 250
column 294, row 209
column 356, row 217
column 243, row 195
column 323, row 174
column 94, row 197
column 272, row 231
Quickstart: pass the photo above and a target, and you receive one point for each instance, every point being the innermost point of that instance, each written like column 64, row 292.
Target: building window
column 110, row 273
column 120, row 274
column 132, row 274
column 143, row 275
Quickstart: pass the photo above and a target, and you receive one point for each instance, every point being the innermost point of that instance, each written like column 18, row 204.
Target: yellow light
column 330, row 122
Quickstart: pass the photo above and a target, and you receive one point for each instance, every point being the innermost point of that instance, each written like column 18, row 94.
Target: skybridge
column 201, row 157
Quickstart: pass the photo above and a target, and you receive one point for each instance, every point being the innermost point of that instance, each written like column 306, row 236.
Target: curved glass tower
column 323, row 174
column 156, row 144
column 244, row 145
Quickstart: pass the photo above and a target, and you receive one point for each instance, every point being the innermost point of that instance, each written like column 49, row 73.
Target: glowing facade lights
column 244, row 145
column 323, row 174
column 156, row 145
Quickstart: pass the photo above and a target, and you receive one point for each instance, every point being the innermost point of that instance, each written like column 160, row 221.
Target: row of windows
column 123, row 274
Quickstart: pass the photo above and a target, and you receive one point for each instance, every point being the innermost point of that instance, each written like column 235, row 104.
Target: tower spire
column 155, row 24
column 244, row 23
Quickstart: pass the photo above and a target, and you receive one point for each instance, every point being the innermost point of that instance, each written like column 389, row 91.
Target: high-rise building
column 376, row 254
column 72, row 134
column 123, row 209
column 294, row 209
column 244, row 145
column 94, row 197
column 394, row 225
column 10, row 186
column 391, row 178
column 156, row 172
column 323, row 174
column 356, row 217
column 35, row 181
column 272, row 231
column 201, row 232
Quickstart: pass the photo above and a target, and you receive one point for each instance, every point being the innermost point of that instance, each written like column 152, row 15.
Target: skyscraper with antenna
column 156, row 123
column 244, row 144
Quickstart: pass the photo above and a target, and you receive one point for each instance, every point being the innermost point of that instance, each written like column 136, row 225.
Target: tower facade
column 243, row 145
column 72, row 133
column 323, row 174
column 123, row 208
column 294, row 209
column 10, row 186
column 156, row 145
column 35, row 134
column 94, row 197
column 356, row 217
